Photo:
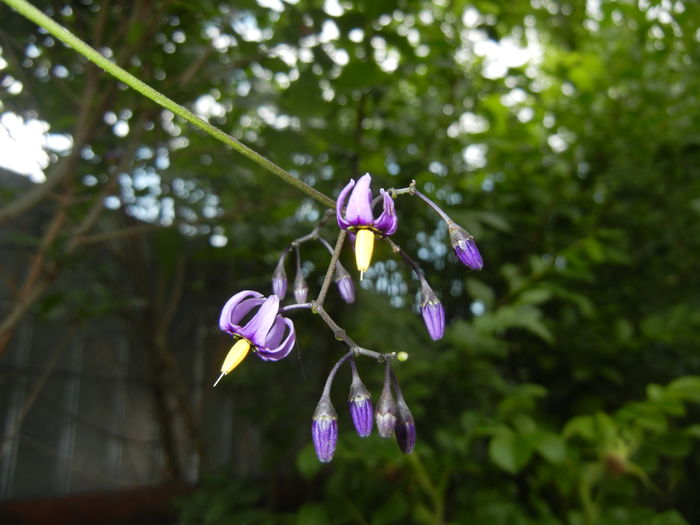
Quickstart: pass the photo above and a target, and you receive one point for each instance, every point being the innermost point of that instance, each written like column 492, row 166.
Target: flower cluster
column 257, row 322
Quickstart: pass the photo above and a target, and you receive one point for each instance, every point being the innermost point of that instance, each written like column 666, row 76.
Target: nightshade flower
column 301, row 289
column 464, row 246
column 359, row 219
column 324, row 429
column 271, row 335
column 432, row 310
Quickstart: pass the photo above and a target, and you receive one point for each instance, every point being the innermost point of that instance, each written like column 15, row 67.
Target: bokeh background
column 565, row 135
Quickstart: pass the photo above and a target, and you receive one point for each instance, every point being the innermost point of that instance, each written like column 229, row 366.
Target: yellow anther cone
column 234, row 357
column 364, row 246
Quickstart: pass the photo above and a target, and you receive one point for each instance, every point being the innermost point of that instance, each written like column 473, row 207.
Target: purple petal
column 270, row 353
column 340, row 204
column 387, row 221
column 359, row 211
column 227, row 312
column 362, row 414
column 258, row 327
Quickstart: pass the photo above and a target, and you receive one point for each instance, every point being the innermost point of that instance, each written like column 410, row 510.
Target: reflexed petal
column 359, row 210
column 340, row 204
column 225, row 320
column 280, row 352
column 387, row 221
column 257, row 328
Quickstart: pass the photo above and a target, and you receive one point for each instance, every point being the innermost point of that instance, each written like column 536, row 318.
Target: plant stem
column 331, row 268
column 64, row 35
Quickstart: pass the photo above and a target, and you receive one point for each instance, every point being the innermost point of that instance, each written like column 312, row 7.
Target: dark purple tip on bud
column 360, row 403
column 301, row 289
column 324, row 429
column 279, row 279
column 405, row 426
column 433, row 312
column 346, row 287
column 385, row 413
column 465, row 247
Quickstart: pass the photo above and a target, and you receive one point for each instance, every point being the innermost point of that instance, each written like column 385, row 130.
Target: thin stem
column 434, row 206
column 331, row 269
column 64, row 35
column 297, row 306
column 334, row 370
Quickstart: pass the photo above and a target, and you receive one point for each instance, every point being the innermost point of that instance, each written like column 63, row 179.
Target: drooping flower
column 464, row 246
column 359, row 218
column 360, row 403
column 324, row 429
column 270, row 335
column 432, row 310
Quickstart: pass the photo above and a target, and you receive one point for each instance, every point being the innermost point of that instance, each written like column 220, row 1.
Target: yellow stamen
column 234, row 357
column 364, row 246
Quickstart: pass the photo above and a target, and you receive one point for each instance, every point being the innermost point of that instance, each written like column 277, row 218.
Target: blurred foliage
column 566, row 390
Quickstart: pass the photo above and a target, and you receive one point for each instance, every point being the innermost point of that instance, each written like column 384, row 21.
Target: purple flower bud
column 279, row 278
column 360, row 404
column 301, row 289
column 343, row 280
column 432, row 310
column 324, row 429
column 385, row 413
column 405, row 426
column 464, row 246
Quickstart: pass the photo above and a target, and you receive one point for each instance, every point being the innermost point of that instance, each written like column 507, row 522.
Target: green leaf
column 510, row 452
column 550, row 446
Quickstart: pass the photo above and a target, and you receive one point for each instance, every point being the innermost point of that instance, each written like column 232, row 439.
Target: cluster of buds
column 257, row 323
column 392, row 414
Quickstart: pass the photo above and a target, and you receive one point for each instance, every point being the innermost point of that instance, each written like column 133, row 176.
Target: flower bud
column 385, row 413
column 301, row 289
column 343, row 280
column 279, row 278
column 405, row 427
column 324, row 429
column 360, row 403
column 464, row 246
column 432, row 310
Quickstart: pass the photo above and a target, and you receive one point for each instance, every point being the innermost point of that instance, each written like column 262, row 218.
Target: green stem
column 64, row 35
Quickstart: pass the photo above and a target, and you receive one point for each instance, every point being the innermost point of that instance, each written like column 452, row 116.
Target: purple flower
column 345, row 285
column 464, row 246
column 271, row 335
column 432, row 310
column 324, row 429
column 360, row 404
column 359, row 218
